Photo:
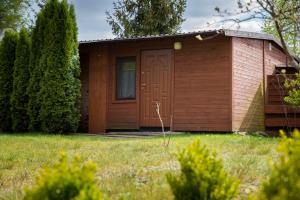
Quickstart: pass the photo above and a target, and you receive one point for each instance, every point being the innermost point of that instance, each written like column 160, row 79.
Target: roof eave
column 152, row 37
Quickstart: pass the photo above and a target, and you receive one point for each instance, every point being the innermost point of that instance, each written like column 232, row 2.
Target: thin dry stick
column 161, row 121
column 171, row 128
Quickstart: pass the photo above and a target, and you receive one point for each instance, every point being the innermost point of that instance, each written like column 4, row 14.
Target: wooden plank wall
column 253, row 60
column 124, row 114
column 202, row 90
column 202, row 85
column 273, row 57
column 216, row 81
column 247, row 85
column 121, row 114
column 279, row 115
column 98, row 74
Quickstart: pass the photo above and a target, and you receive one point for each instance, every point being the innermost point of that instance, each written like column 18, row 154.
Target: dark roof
column 226, row 32
column 207, row 33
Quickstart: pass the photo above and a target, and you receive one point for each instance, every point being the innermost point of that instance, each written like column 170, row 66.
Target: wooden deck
column 277, row 113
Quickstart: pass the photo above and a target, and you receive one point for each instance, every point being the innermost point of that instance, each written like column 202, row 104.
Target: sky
column 91, row 17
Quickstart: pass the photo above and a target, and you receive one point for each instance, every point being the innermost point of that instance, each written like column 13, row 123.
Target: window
column 125, row 77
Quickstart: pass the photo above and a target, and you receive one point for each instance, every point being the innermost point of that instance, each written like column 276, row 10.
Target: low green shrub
column 202, row 176
column 66, row 180
column 284, row 182
column 293, row 87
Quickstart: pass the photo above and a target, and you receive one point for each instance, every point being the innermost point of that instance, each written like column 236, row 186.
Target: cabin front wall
column 201, row 85
column 202, row 97
column 217, row 84
column 201, row 89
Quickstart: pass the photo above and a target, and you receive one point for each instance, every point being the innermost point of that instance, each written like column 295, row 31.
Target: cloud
column 206, row 8
column 201, row 15
column 91, row 19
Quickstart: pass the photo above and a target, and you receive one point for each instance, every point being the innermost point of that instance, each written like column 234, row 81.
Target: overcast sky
column 92, row 23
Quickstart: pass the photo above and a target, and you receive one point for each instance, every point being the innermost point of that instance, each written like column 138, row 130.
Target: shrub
column 54, row 86
column 19, row 97
column 284, row 182
column 202, row 176
column 34, row 104
column 293, row 86
column 65, row 181
column 60, row 85
column 7, row 59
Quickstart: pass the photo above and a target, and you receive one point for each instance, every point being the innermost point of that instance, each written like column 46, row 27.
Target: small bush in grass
column 202, row 176
column 284, row 182
column 66, row 180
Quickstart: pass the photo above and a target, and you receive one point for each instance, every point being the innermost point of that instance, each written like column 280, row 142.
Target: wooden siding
column 273, row 57
column 122, row 114
column 202, row 82
column 278, row 114
column 247, row 85
column 98, row 66
column 218, row 84
column 253, row 61
column 125, row 114
column 202, row 85
column 274, row 90
column 84, row 78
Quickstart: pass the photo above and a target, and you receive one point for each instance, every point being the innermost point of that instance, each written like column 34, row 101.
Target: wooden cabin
column 203, row 81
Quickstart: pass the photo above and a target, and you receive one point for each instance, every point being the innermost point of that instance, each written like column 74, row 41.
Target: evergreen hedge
column 7, row 59
column 60, row 85
column 54, row 86
column 19, row 97
column 36, row 72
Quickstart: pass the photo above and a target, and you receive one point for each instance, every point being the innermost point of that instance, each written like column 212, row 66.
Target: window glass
column 126, row 77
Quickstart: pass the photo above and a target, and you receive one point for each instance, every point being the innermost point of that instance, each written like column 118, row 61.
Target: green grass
column 129, row 168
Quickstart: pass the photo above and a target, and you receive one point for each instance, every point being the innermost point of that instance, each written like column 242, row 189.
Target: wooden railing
column 277, row 113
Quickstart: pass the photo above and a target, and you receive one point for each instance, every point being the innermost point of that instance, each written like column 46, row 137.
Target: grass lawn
column 129, row 168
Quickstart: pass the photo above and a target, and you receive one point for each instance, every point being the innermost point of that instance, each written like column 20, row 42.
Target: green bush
column 7, row 59
column 293, row 87
column 284, row 182
column 65, row 181
column 36, row 72
column 54, row 85
column 60, row 84
column 19, row 97
column 202, row 176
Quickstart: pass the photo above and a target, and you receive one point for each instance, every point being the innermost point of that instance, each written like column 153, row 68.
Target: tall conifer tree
column 146, row 17
column 7, row 58
column 60, row 86
column 36, row 70
column 75, row 66
column 19, row 97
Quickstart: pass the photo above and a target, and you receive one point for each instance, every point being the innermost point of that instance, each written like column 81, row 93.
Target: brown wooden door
column 156, row 86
